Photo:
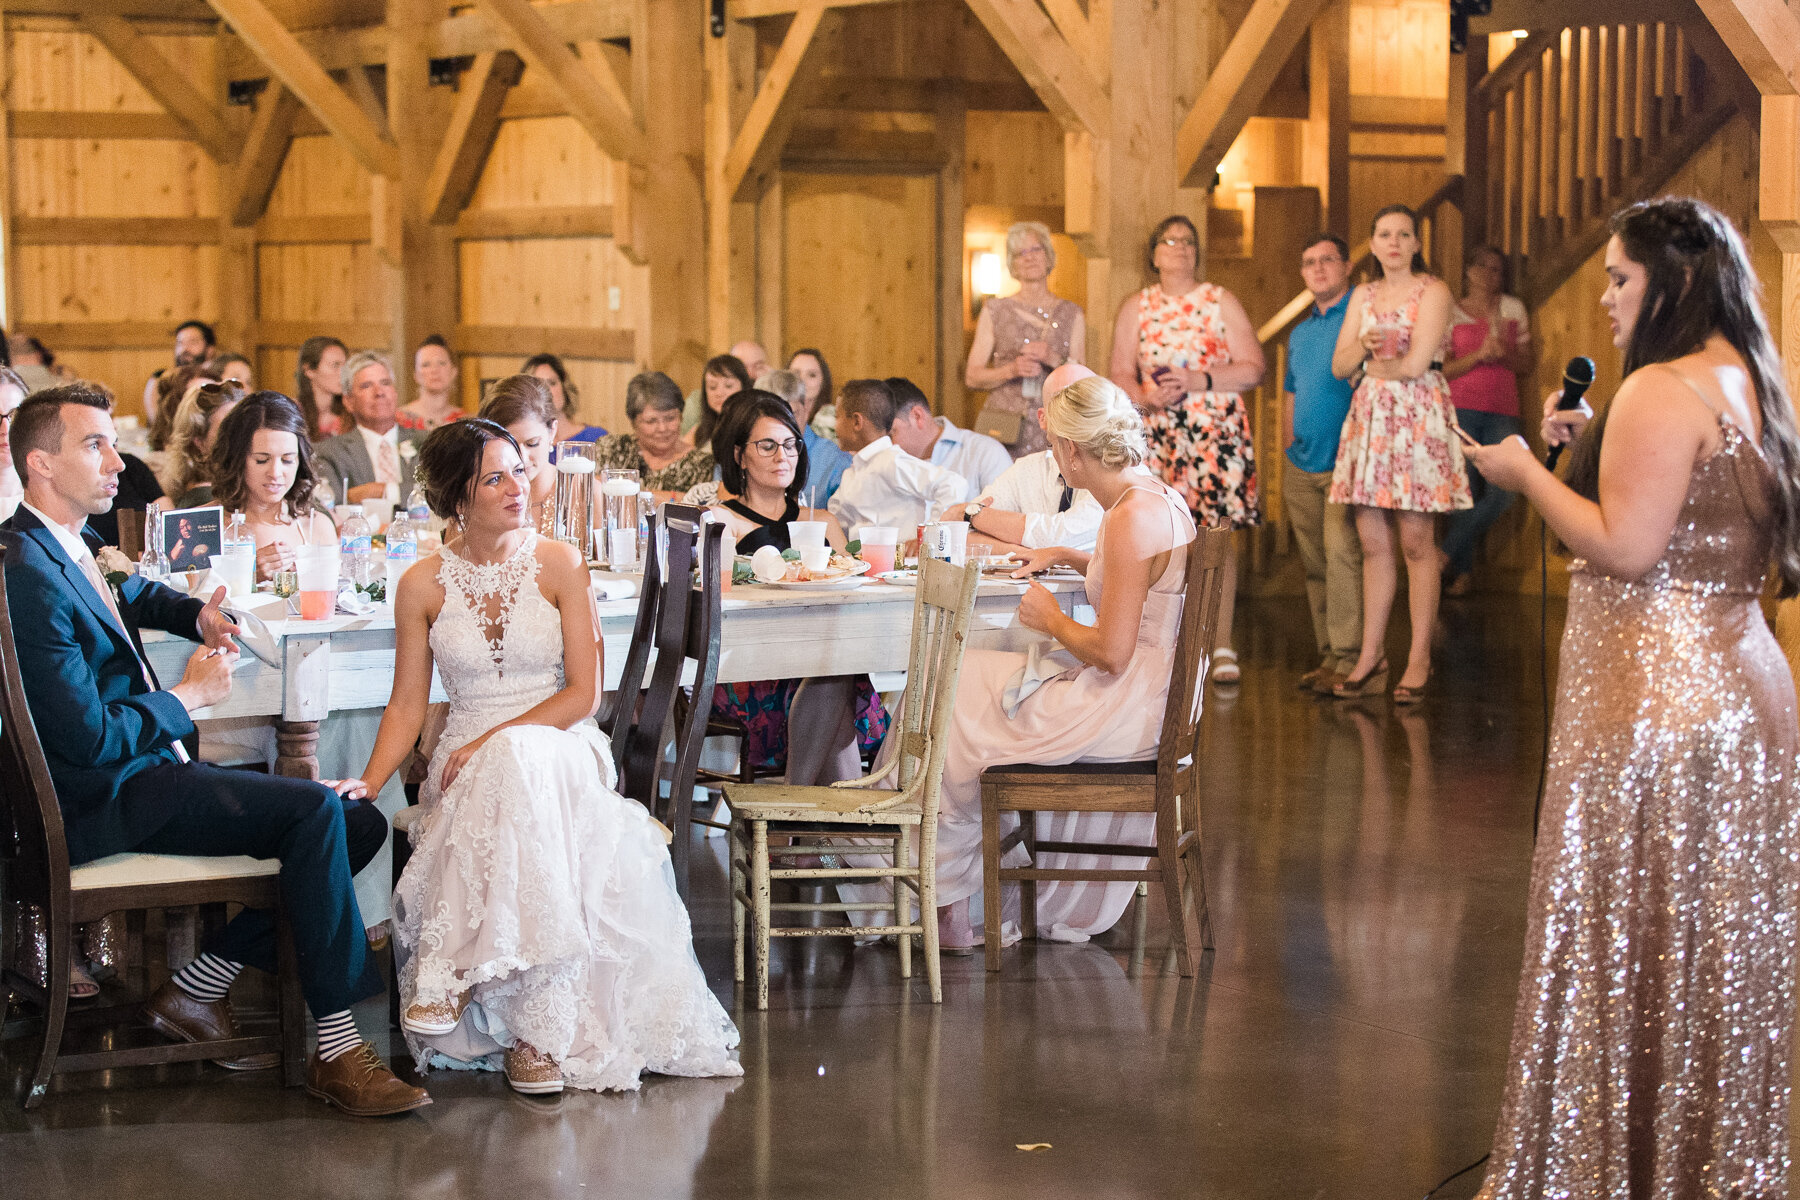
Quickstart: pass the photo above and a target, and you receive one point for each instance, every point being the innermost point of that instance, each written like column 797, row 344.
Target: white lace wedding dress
column 533, row 884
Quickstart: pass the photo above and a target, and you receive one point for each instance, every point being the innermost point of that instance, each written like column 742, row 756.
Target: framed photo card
column 191, row 536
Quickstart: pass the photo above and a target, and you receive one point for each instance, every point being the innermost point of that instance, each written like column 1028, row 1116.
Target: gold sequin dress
column 1650, row 1045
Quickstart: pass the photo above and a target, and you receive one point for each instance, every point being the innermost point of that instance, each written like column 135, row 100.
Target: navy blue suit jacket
column 98, row 720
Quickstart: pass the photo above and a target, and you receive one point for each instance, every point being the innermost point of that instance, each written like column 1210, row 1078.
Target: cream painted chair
column 846, row 817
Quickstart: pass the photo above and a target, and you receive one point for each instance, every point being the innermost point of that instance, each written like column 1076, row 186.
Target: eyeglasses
column 769, row 447
column 1179, row 243
column 1323, row 260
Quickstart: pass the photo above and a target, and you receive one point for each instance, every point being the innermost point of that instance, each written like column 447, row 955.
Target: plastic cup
column 237, row 570
column 380, row 513
column 317, row 569
column 815, row 558
column 880, row 546
column 802, row 534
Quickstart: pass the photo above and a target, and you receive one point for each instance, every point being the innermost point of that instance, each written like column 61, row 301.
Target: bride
column 538, row 924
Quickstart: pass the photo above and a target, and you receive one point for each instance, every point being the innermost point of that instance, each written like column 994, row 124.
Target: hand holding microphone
column 1560, row 429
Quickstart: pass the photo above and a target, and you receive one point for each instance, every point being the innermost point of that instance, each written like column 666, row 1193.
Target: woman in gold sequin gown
column 1651, row 1041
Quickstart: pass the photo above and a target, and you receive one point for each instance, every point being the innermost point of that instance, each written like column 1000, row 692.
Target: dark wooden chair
column 38, row 873
column 1167, row 785
column 131, row 532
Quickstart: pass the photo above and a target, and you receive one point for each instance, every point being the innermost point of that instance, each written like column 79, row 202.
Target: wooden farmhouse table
column 347, row 663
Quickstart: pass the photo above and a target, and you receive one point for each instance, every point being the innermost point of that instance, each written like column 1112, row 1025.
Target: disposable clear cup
column 802, row 534
column 237, row 570
column 815, row 558
column 880, row 545
column 317, row 569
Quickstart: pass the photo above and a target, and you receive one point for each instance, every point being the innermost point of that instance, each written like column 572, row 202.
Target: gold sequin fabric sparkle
column 1651, row 1041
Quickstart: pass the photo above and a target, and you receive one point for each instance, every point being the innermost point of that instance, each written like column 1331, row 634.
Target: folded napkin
column 609, row 586
column 255, row 636
column 1044, row 660
column 353, row 603
column 198, row 584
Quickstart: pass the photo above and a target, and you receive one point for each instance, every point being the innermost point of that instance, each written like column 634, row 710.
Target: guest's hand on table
column 1562, row 426
column 273, row 559
column 207, row 679
column 1038, row 608
column 1038, row 561
column 217, row 629
column 349, row 789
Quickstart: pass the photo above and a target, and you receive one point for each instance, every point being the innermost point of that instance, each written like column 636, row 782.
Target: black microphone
column 1578, row 377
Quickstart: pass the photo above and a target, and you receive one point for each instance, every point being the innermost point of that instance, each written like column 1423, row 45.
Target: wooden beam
column 1765, row 37
column 187, row 10
column 513, row 224
column 674, row 243
column 1778, row 203
column 522, row 341
column 751, row 10
column 473, row 123
column 1053, row 68
column 9, row 261
column 98, row 335
column 355, row 334
column 730, row 223
column 98, row 126
column 1521, row 58
column 167, row 84
column 1328, row 114
column 115, row 231
column 612, row 127
column 265, row 148
column 312, row 231
column 1427, row 112
column 1258, row 51
column 302, row 74
column 950, row 127
column 842, row 92
column 1072, row 23
column 785, row 90
column 362, row 90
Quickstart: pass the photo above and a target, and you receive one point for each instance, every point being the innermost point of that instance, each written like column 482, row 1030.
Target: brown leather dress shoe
column 360, row 1084
column 175, row 1014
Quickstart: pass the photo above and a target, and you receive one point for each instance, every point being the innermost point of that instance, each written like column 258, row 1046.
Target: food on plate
column 769, row 565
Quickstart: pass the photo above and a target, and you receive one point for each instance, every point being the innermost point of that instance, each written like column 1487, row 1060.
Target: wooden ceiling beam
column 613, row 128
column 786, row 90
column 1235, row 89
column 271, row 133
column 301, row 73
column 1764, row 35
column 1054, row 69
column 751, row 10
column 473, row 124
column 165, row 83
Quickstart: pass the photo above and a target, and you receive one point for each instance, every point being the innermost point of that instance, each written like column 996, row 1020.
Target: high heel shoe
column 1405, row 696
column 1372, row 684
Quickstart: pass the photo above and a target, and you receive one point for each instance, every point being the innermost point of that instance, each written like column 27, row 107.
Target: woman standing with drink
column 1398, row 453
column 1021, row 338
column 1185, row 352
column 1661, row 922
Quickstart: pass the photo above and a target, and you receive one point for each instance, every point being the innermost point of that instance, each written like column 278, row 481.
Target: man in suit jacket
column 112, row 736
column 376, row 455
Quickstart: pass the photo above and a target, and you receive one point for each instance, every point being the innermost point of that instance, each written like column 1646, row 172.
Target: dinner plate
column 900, row 578
column 842, row 583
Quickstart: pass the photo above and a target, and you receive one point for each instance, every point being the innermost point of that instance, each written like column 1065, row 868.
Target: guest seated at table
column 262, row 466
column 978, row 458
column 373, row 459
column 654, row 448
column 523, row 405
column 319, row 387
column 138, row 485
column 763, row 459
column 434, row 374
column 565, row 396
column 1031, row 506
column 750, row 355
column 233, row 367
column 1092, row 690
column 884, row 485
column 539, row 930
column 172, row 387
column 191, row 439
column 723, row 378
column 825, row 460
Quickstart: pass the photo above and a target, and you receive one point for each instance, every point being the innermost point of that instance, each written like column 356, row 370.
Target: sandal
column 81, row 984
column 1225, row 666
column 1405, row 696
column 1371, row 684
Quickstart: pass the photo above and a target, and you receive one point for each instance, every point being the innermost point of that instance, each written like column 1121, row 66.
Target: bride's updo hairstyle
column 1097, row 415
column 450, row 462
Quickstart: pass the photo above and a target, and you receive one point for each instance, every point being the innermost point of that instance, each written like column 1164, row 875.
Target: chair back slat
column 641, row 764
column 131, row 532
column 618, row 721
column 705, row 630
column 1203, row 594
column 32, row 838
column 942, row 612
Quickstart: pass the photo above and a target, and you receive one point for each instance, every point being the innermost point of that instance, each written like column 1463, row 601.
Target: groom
column 123, row 779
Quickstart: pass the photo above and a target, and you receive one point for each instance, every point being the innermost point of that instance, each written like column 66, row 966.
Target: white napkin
column 201, row 584
column 608, row 586
column 1044, row 660
column 353, row 603
column 254, row 636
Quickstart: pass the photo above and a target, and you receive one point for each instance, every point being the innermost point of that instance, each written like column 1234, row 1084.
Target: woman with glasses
column 1021, row 338
column 762, row 464
column 1185, row 352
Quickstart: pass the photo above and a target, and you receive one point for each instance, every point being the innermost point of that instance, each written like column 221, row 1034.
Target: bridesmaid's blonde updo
column 1097, row 415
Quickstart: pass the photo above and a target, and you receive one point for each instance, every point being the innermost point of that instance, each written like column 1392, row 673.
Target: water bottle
column 355, row 547
column 238, row 538
column 402, row 551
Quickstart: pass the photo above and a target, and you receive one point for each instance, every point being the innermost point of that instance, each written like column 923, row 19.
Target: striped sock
column 208, row 977
column 337, row 1035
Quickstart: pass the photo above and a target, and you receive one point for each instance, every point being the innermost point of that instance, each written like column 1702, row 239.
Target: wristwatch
column 972, row 510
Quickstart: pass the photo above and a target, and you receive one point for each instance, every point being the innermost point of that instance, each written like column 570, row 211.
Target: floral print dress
column 1399, row 449
column 1202, row 446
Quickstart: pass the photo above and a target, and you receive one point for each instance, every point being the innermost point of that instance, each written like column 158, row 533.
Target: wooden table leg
column 297, row 749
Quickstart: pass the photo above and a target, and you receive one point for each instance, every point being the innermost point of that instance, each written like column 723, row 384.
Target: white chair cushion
column 140, row 870
column 403, row 820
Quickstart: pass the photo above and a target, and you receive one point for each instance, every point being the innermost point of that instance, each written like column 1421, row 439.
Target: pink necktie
column 390, row 463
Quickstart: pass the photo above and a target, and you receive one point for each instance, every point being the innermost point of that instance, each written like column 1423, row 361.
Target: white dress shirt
column 886, row 486
column 977, row 457
column 1034, row 486
column 72, row 543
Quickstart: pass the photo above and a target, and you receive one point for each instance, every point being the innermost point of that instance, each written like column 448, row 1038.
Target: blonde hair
column 187, row 453
column 1097, row 415
column 1023, row 232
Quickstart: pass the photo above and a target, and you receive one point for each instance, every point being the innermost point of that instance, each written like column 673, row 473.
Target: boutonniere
column 115, row 568
column 409, row 450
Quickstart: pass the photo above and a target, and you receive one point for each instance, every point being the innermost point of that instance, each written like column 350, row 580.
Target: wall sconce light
column 987, row 274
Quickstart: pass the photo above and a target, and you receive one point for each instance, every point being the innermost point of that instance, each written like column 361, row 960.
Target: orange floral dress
column 1201, row 447
column 1399, row 449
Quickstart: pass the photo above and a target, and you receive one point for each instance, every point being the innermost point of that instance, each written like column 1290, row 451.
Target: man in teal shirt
column 1316, row 404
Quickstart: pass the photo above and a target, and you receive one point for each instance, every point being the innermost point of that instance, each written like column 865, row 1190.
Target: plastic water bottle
column 355, row 547
column 402, row 551
column 237, row 538
column 417, row 510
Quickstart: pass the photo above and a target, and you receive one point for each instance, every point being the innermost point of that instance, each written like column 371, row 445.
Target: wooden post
column 1466, row 147
column 675, row 241
column 9, row 265
column 951, row 128
column 422, row 277
column 1327, row 161
column 730, row 222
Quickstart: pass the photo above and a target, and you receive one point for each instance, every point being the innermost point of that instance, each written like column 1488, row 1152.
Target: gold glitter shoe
column 434, row 1019
column 533, row 1072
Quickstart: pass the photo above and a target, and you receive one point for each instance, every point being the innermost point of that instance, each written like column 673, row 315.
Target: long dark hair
column 312, row 350
column 721, row 366
column 231, row 452
column 1419, row 265
column 736, row 420
column 826, row 393
column 1698, row 281
column 450, row 462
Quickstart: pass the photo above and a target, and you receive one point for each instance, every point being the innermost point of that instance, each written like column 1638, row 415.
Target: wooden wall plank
column 115, row 231
column 589, row 220
column 164, row 81
column 103, row 126
column 617, row 345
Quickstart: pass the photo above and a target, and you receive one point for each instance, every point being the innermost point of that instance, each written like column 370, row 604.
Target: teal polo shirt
column 1321, row 399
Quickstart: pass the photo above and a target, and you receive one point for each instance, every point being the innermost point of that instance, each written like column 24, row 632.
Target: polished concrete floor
column 1367, row 873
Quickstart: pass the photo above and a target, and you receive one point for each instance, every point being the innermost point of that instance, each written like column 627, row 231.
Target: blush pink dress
column 1084, row 713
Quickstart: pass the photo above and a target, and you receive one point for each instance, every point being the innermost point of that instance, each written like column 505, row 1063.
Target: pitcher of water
column 618, row 532
column 575, row 496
